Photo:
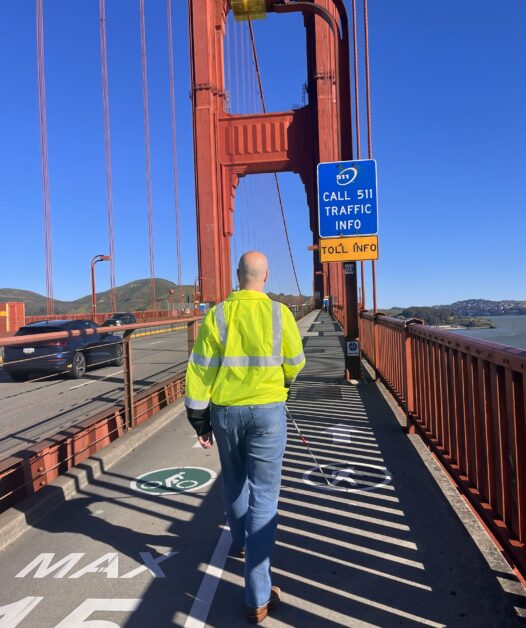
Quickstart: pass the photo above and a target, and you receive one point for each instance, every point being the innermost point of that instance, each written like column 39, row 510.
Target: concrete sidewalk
column 385, row 545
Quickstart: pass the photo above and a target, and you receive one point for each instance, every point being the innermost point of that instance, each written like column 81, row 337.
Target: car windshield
column 27, row 331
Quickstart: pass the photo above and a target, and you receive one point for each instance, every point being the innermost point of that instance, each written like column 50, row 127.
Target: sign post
column 348, row 228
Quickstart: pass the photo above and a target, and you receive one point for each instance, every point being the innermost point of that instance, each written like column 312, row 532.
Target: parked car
column 120, row 318
column 68, row 355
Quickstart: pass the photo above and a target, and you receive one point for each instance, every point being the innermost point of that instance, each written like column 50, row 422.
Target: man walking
column 246, row 355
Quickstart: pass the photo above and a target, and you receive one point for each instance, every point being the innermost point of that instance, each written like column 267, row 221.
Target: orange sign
column 350, row 249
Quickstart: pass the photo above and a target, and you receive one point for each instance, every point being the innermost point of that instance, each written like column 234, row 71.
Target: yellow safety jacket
column 247, row 349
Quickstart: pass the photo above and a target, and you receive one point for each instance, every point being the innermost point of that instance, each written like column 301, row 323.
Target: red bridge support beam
column 207, row 24
column 228, row 146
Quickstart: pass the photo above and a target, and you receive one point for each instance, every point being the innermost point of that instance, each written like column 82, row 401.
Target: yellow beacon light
column 249, row 9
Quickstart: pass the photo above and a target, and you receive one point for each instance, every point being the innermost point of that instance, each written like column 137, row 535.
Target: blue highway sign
column 347, row 198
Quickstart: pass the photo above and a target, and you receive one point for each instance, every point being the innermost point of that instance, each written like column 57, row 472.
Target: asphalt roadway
column 142, row 543
column 32, row 411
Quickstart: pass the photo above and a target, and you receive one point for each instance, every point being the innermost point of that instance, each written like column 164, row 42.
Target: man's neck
column 258, row 288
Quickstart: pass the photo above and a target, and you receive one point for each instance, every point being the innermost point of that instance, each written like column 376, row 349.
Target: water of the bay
column 510, row 330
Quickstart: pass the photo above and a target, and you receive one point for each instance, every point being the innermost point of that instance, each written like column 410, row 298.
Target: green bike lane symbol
column 173, row 480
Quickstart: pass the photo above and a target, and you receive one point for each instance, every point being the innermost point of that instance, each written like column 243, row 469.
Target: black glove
column 200, row 420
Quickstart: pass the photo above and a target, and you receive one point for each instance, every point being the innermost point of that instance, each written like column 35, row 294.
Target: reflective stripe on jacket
column 247, row 348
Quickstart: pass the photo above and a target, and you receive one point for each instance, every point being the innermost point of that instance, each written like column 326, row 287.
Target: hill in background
column 469, row 307
column 468, row 313
column 131, row 297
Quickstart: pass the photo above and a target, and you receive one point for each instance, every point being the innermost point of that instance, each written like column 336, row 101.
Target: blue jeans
column 251, row 442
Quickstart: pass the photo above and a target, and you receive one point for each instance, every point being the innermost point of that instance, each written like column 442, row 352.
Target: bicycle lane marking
column 351, row 474
column 170, row 480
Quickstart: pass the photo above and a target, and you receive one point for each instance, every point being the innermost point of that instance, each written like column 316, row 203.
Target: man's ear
column 266, row 276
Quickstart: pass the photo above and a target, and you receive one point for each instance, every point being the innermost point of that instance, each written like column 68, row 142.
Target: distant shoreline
column 453, row 327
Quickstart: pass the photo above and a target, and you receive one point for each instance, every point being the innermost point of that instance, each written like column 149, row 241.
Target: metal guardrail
column 300, row 311
column 141, row 316
column 28, row 470
column 467, row 399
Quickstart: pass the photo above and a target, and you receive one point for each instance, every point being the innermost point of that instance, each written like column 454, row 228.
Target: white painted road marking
column 205, row 596
column 12, row 614
column 157, row 342
column 349, row 477
column 340, row 433
column 42, row 566
column 93, row 605
column 96, row 380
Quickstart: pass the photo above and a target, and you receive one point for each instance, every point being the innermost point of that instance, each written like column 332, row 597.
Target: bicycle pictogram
column 174, row 480
column 348, row 476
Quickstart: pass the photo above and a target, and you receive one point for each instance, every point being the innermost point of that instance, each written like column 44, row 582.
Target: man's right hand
column 206, row 440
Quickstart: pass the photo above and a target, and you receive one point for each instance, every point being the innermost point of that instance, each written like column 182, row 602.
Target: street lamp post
column 171, row 292
column 97, row 258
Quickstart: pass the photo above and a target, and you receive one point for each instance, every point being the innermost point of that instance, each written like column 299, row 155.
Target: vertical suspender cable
column 356, row 92
column 107, row 147
column 228, row 107
column 174, row 152
column 357, row 123
column 369, row 130
column 278, row 189
column 237, row 107
column 147, row 145
column 46, row 202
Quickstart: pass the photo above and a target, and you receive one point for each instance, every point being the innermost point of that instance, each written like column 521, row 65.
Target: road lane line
column 205, row 596
column 157, row 342
column 96, row 381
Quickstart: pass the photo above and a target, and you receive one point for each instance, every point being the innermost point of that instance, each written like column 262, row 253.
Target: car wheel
column 18, row 377
column 78, row 368
column 118, row 356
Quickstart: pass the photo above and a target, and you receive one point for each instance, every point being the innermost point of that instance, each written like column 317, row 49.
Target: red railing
column 366, row 331
column 27, row 471
column 141, row 317
column 339, row 315
column 467, row 399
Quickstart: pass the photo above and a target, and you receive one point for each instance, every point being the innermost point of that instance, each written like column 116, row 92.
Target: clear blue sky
column 449, row 131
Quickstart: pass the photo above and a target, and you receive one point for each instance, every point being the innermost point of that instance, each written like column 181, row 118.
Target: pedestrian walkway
column 388, row 543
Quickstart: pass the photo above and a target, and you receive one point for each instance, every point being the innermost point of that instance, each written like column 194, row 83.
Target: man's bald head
column 252, row 271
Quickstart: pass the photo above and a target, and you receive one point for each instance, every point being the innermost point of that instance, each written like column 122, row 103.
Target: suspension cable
column 278, row 189
column 46, row 202
column 228, row 107
column 174, row 152
column 147, row 145
column 369, row 126
column 357, row 125
column 107, row 148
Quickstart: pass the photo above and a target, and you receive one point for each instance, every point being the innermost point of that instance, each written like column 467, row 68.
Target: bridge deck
column 389, row 544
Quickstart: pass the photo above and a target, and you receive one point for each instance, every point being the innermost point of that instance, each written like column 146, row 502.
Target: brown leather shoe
column 257, row 615
column 238, row 552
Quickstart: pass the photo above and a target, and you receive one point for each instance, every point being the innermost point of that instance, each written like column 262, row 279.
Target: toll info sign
column 347, row 198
